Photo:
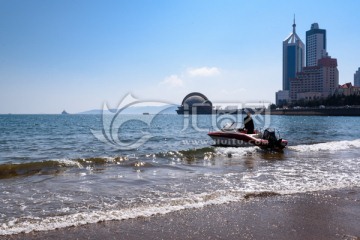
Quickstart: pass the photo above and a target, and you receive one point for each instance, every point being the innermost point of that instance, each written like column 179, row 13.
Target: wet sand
column 320, row 215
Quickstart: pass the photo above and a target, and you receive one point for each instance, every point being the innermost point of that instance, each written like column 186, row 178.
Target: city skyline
column 78, row 55
column 318, row 79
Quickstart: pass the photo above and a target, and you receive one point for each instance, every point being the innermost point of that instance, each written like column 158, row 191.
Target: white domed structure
column 195, row 103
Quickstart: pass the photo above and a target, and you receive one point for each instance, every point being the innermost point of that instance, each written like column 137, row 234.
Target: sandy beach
column 318, row 215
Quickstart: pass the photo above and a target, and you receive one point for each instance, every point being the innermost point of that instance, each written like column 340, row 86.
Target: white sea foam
column 26, row 225
column 327, row 146
column 290, row 178
column 300, row 177
column 69, row 163
column 235, row 151
column 297, row 175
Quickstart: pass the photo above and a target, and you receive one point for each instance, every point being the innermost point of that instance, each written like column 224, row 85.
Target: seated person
column 249, row 124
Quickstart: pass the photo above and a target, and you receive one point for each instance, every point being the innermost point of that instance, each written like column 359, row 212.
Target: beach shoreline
column 333, row 214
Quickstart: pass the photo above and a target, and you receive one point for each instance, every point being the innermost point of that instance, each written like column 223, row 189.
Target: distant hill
column 166, row 109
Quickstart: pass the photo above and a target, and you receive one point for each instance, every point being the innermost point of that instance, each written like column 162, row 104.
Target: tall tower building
column 315, row 45
column 357, row 78
column 293, row 57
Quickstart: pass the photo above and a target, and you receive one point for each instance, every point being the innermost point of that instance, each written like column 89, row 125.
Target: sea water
column 67, row 170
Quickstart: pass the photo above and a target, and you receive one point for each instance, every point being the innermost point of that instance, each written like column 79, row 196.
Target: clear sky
column 78, row 54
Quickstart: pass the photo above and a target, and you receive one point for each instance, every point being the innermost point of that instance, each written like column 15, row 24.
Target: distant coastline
column 165, row 109
column 330, row 111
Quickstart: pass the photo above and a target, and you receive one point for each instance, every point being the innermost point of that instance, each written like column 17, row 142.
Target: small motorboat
column 231, row 136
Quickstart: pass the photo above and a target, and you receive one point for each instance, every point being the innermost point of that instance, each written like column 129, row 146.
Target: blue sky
column 78, row 54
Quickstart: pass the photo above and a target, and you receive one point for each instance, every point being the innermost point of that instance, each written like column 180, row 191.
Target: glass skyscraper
column 293, row 57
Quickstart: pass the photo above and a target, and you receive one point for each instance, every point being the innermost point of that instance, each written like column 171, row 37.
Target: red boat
column 231, row 136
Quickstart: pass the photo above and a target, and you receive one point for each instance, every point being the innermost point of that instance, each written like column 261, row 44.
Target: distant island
column 145, row 110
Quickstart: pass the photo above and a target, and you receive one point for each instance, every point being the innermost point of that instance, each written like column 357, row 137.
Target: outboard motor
column 269, row 134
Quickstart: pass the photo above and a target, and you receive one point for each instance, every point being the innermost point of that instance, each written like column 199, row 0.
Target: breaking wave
column 26, row 225
column 332, row 146
column 165, row 206
column 327, row 146
column 10, row 170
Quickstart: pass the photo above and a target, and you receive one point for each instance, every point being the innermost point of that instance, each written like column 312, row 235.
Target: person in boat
column 249, row 124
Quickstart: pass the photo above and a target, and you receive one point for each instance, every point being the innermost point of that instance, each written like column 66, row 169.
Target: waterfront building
column 315, row 45
column 282, row 97
column 308, row 96
column 347, row 89
column 330, row 75
column 293, row 57
column 357, row 78
column 316, row 81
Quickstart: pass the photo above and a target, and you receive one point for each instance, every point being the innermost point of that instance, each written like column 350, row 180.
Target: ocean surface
column 67, row 170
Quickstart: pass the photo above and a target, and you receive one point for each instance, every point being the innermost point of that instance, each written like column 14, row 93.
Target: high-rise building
column 317, row 81
column 293, row 57
column 330, row 75
column 357, row 78
column 315, row 45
